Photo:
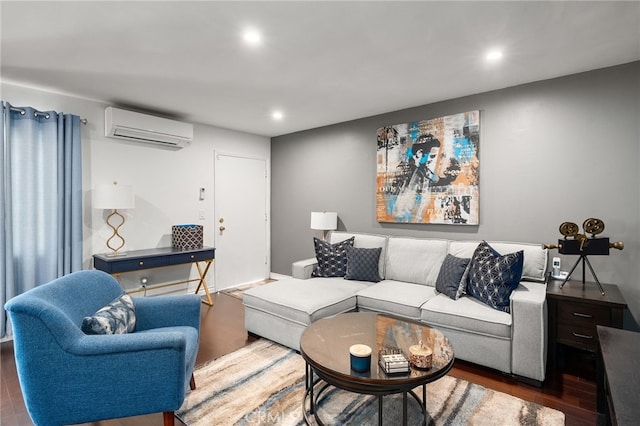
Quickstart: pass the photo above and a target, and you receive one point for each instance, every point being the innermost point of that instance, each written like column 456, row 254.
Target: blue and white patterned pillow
column 492, row 277
column 332, row 258
column 118, row 317
column 362, row 264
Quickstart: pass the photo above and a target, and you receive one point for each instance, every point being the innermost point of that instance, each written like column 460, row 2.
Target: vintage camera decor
column 582, row 245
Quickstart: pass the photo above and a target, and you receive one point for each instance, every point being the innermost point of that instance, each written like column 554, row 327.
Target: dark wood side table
column 618, row 378
column 137, row 260
column 574, row 312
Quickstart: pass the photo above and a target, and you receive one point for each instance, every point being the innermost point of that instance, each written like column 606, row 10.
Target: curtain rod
column 41, row 114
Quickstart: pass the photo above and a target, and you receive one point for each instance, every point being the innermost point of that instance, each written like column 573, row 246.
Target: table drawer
column 138, row 264
column 178, row 259
column 583, row 337
column 583, row 314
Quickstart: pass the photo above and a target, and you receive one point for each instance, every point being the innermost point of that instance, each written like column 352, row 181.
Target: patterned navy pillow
column 332, row 258
column 362, row 264
column 118, row 317
column 450, row 278
column 493, row 277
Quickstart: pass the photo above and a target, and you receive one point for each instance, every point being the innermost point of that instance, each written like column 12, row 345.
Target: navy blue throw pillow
column 332, row 258
column 450, row 277
column 362, row 264
column 492, row 277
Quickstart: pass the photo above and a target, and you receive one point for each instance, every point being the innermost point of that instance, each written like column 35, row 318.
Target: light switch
column 201, row 215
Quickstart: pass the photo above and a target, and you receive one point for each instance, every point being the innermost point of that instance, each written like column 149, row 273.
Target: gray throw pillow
column 118, row 317
column 362, row 264
column 332, row 258
column 450, row 278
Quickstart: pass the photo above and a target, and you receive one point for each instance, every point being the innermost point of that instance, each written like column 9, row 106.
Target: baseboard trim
column 275, row 276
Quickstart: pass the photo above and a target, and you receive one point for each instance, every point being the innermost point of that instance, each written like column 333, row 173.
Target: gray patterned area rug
column 263, row 384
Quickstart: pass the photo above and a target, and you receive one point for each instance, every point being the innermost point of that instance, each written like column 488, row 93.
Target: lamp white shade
column 324, row 221
column 113, row 196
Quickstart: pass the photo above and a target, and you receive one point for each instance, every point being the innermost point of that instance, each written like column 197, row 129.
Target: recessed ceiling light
column 494, row 55
column 277, row 115
column 252, row 37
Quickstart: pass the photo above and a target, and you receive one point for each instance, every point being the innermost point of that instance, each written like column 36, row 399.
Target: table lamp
column 113, row 197
column 324, row 221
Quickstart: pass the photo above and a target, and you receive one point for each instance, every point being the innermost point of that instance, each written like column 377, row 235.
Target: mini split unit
column 146, row 129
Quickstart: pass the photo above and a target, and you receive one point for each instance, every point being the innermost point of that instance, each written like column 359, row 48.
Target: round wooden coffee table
column 324, row 345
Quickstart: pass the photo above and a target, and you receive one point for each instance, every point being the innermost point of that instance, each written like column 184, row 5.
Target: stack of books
column 394, row 363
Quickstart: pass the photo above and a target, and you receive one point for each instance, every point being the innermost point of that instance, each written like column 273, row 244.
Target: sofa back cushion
column 415, row 260
column 535, row 256
column 365, row 241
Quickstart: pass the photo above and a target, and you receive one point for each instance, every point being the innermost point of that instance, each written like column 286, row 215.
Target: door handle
column 222, row 228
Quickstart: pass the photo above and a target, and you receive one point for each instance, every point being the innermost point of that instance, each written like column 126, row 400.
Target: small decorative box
column 187, row 237
column 394, row 362
column 420, row 356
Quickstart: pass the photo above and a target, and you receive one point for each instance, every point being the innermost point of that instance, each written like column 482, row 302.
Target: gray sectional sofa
column 514, row 342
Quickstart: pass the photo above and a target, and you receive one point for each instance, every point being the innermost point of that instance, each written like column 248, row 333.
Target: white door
column 241, row 220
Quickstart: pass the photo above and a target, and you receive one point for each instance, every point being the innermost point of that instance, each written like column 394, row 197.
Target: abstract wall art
column 428, row 171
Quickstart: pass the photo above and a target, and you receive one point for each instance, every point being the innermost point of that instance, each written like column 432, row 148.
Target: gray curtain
column 41, row 200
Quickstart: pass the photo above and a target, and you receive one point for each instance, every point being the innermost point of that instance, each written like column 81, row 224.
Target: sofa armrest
column 302, row 269
column 529, row 330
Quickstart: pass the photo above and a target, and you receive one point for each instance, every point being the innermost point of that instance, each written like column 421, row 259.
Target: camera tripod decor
column 581, row 245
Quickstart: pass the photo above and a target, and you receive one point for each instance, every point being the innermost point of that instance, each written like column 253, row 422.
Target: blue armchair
column 70, row 377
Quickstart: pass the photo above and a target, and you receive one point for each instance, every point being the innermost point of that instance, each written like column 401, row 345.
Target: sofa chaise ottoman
column 511, row 340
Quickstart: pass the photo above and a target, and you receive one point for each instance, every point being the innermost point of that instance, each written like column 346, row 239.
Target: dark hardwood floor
column 222, row 332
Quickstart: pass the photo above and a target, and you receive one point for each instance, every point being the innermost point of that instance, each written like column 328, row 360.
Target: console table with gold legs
column 138, row 260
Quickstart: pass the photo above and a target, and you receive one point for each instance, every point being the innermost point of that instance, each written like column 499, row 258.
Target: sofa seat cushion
column 466, row 313
column 305, row 301
column 395, row 297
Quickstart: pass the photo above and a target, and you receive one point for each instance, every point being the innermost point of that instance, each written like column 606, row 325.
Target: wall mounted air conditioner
column 146, row 129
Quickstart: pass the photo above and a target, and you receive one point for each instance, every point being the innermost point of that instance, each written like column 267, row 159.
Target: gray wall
column 552, row 151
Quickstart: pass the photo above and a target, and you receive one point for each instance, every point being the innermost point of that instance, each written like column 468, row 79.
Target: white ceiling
column 320, row 63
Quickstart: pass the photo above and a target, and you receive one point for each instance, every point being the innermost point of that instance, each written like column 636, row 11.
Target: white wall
column 166, row 183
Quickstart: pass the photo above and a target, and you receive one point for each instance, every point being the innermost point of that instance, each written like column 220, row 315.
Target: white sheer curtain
column 41, row 200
